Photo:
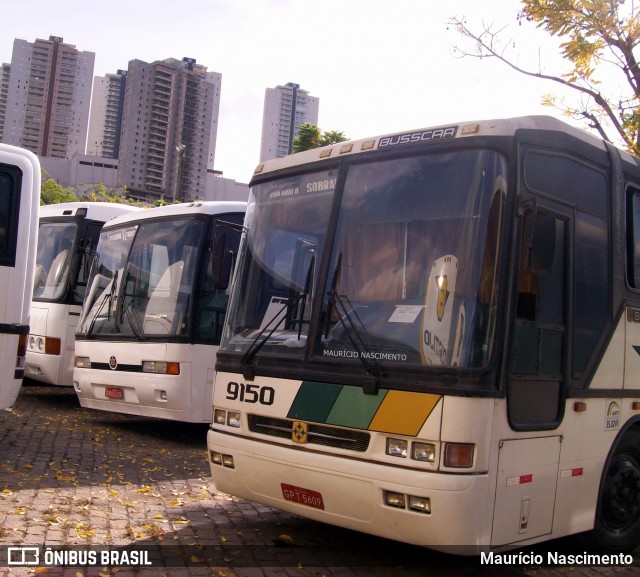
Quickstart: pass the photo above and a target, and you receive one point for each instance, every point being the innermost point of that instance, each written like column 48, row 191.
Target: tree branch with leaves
column 596, row 36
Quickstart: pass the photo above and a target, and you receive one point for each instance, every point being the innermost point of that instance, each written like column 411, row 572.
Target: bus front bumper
column 361, row 495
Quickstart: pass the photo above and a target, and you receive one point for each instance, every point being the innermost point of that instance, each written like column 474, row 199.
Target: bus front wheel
column 618, row 521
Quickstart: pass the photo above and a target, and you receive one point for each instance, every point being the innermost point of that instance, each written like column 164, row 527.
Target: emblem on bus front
column 299, row 432
column 113, row 363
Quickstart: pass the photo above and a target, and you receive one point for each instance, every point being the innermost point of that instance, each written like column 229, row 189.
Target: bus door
column 528, row 465
column 19, row 201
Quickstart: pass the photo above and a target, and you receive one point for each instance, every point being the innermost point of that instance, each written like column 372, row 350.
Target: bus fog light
column 220, row 417
column 458, row 455
column 397, row 447
column 423, row 452
column 227, row 461
column 392, row 499
column 216, row 457
column 163, row 396
column 83, row 362
column 233, row 419
column 420, row 504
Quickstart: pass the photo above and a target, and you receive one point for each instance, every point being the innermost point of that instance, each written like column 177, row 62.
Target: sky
column 377, row 66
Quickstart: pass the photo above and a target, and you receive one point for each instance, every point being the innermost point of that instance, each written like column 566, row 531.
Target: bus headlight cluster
column 420, row 451
column 161, row 367
column 455, row 455
column 45, row 345
column 412, row 502
column 229, row 418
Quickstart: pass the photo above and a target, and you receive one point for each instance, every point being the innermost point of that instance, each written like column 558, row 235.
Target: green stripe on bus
column 314, row 401
column 355, row 409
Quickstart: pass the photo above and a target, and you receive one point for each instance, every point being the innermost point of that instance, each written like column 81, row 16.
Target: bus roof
column 100, row 211
column 454, row 130
column 199, row 207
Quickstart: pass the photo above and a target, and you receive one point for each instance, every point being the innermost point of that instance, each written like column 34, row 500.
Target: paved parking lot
column 77, row 486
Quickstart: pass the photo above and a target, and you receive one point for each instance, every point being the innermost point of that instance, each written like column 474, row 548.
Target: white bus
column 19, row 203
column 152, row 319
column 68, row 236
column 434, row 337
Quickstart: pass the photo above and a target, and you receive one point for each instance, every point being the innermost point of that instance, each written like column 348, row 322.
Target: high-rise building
column 169, row 128
column 5, row 70
column 105, row 121
column 46, row 109
column 285, row 109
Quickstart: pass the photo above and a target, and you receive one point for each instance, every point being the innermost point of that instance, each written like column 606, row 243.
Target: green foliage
column 310, row 136
column 596, row 36
column 53, row 193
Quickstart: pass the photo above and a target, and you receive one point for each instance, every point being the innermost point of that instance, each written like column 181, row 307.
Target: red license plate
column 114, row 393
column 303, row 496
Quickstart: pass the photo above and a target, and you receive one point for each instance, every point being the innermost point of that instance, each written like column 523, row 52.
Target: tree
column 53, row 193
column 310, row 136
column 597, row 36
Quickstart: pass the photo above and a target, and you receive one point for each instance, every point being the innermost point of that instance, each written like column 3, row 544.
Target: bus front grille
column 316, row 434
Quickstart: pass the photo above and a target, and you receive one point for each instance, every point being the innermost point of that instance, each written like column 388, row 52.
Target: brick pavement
column 78, row 480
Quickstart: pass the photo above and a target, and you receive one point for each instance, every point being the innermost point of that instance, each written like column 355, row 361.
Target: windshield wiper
column 305, row 294
column 107, row 297
column 255, row 346
column 126, row 306
column 300, row 303
column 354, row 333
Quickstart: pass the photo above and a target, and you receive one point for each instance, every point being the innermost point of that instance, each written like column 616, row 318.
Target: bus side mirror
column 221, row 269
column 540, row 243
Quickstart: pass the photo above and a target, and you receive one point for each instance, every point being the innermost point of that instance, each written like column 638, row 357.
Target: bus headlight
column 397, row 447
column 161, row 367
column 423, row 452
column 233, row 419
column 220, row 417
column 83, row 362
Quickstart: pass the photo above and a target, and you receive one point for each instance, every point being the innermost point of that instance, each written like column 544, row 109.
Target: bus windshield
column 412, row 275
column 144, row 280
column 53, row 259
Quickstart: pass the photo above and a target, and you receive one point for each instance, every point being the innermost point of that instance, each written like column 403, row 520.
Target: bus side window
column 538, row 348
column 540, row 315
column 9, row 217
column 85, row 251
column 633, row 239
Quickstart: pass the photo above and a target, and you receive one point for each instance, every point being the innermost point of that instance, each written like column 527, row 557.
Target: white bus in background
column 152, row 320
column 19, row 203
column 67, row 237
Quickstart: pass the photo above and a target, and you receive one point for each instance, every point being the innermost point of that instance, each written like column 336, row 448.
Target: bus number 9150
column 250, row 393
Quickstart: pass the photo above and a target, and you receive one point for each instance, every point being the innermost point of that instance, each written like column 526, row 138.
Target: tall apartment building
column 105, row 121
column 285, row 109
column 5, row 70
column 46, row 108
column 169, row 128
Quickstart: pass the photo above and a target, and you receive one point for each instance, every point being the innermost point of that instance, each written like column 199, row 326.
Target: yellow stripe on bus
column 404, row 412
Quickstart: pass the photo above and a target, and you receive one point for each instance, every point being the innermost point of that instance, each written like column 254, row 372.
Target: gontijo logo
column 418, row 136
column 612, row 418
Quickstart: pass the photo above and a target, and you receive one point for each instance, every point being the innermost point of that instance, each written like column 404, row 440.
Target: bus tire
column 618, row 520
